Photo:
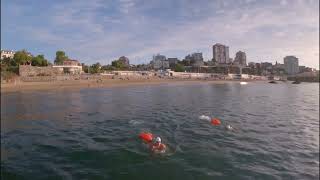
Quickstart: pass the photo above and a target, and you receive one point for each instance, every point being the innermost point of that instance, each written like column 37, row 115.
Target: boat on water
column 273, row 82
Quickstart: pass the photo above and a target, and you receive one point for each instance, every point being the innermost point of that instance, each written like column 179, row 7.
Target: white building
column 69, row 67
column 173, row 61
column 221, row 53
column 189, row 75
column 160, row 62
column 133, row 73
column 240, row 58
column 279, row 66
column 291, row 65
column 197, row 56
column 197, row 59
column 7, row 54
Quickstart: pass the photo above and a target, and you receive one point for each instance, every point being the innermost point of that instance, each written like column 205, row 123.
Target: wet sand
column 80, row 84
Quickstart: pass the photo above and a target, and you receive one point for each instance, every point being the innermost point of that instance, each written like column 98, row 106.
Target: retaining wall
column 31, row 71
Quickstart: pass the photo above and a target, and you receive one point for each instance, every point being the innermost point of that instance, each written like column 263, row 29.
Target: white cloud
column 245, row 33
column 249, row 1
column 264, row 31
column 126, row 5
column 283, row 2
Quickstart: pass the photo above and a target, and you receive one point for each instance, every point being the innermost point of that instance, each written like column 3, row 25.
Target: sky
column 103, row 30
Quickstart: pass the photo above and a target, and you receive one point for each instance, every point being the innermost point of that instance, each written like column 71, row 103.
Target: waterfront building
column 278, row 69
column 251, row 64
column 254, row 68
column 220, row 54
column 160, row 62
column 71, row 62
column 279, row 65
column 198, row 64
column 266, row 66
column 291, row 65
column 7, row 54
column 135, row 74
column 195, row 59
column 197, row 56
column 240, row 58
column 165, row 64
column 303, row 69
column 187, row 60
column 173, row 62
column 69, row 66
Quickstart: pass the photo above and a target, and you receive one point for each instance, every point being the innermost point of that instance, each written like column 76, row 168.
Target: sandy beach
column 79, row 84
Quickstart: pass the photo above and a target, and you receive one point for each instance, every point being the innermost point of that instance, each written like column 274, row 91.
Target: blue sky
column 103, row 30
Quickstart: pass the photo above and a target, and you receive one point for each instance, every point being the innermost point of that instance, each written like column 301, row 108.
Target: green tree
column 60, row 57
column 39, row 61
column 9, row 66
column 85, row 68
column 179, row 68
column 118, row 64
column 12, row 62
column 45, row 63
column 115, row 63
column 22, row 57
column 107, row 68
column 6, row 61
column 95, row 68
column 14, row 69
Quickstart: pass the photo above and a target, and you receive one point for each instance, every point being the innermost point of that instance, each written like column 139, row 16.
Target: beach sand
column 80, row 84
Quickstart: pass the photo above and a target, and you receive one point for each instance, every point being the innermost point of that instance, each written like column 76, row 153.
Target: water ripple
column 92, row 133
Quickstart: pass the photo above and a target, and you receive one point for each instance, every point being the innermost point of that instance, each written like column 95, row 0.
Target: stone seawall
column 32, row 71
column 46, row 74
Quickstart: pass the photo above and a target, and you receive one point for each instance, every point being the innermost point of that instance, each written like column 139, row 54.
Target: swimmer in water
column 158, row 146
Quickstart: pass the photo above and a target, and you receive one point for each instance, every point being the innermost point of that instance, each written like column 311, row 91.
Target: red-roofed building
column 71, row 62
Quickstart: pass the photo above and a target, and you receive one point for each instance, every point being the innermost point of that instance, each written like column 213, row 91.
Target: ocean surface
column 93, row 133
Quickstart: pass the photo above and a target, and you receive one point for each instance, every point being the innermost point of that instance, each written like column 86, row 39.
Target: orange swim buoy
column 215, row 121
column 146, row 136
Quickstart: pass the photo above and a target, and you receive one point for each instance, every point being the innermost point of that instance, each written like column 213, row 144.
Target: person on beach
column 157, row 146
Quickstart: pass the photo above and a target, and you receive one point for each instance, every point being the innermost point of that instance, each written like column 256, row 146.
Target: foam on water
column 135, row 122
column 204, row 117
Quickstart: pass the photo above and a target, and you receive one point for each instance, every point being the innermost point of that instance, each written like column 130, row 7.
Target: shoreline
column 82, row 84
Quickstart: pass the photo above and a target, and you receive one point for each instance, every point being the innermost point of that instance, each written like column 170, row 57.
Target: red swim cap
column 215, row 121
column 146, row 136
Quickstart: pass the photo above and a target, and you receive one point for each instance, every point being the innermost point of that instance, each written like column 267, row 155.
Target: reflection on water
column 92, row 133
